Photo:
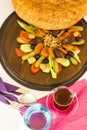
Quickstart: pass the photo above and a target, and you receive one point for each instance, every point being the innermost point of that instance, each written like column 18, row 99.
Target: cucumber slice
column 63, row 61
column 45, row 69
column 19, row 40
column 73, row 61
column 26, row 48
column 31, row 60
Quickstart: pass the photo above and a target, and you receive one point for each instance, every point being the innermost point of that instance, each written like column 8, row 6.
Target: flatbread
column 51, row 14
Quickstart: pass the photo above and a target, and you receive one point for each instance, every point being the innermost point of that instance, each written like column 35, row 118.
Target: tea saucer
column 68, row 112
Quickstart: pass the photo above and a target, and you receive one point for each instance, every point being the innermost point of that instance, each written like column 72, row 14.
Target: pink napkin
column 77, row 120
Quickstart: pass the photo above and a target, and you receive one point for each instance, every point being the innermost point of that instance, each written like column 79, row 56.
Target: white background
column 10, row 119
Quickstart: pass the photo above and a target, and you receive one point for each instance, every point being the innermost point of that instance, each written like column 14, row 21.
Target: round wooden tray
column 21, row 72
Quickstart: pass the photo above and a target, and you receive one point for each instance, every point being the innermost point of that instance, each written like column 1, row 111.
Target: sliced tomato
column 24, row 36
column 19, row 52
column 34, row 69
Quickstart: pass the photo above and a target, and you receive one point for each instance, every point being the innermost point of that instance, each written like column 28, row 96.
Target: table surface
column 9, row 117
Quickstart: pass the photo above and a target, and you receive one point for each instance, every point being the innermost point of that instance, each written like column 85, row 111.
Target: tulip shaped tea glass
column 63, row 97
column 38, row 117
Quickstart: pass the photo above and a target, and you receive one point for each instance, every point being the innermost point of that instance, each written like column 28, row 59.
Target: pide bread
column 51, row 14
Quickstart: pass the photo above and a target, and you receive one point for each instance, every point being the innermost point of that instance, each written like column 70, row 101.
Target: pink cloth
column 77, row 120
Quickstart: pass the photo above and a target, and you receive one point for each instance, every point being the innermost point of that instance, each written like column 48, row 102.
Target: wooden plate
column 21, row 72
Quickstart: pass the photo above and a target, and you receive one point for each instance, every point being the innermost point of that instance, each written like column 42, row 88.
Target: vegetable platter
column 56, row 59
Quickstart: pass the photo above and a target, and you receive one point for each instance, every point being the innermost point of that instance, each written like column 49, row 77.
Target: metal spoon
column 25, row 99
column 73, row 95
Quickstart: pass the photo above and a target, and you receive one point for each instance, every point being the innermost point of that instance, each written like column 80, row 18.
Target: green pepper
column 53, row 73
column 28, row 28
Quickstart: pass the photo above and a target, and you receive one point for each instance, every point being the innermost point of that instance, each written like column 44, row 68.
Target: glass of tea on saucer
column 62, row 101
column 63, row 98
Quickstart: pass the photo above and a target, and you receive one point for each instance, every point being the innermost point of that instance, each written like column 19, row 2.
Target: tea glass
column 62, row 98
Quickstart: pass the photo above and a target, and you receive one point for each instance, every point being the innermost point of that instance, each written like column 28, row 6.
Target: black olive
column 36, row 40
column 37, row 56
column 68, row 39
column 45, row 61
column 70, row 53
column 67, row 56
column 77, row 39
column 32, row 46
column 66, row 30
column 54, row 32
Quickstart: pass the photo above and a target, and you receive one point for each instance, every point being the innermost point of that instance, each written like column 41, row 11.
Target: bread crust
column 51, row 14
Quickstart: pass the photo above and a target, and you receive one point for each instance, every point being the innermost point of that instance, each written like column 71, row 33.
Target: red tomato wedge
column 34, row 69
column 19, row 52
column 24, row 36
